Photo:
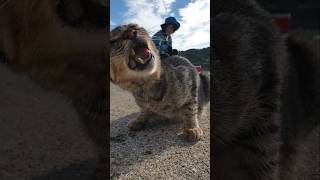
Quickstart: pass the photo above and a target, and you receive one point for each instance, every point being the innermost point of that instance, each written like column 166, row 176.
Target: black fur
column 82, row 13
column 265, row 96
column 205, row 88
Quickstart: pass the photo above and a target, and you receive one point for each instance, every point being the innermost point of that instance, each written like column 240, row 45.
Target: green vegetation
column 198, row 57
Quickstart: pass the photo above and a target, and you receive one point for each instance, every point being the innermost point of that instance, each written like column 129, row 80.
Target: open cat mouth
column 140, row 58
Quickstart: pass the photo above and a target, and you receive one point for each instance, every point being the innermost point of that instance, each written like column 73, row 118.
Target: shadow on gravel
column 83, row 170
column 128, row 148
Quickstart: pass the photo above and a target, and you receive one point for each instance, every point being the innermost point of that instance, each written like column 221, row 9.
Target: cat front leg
column 139, row 123
column 189, row 115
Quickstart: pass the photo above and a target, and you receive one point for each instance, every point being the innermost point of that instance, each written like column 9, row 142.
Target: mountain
column 198, row 57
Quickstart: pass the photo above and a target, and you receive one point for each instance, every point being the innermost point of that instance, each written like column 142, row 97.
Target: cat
column 266, row 99
column 62, row 44
column 168, row 87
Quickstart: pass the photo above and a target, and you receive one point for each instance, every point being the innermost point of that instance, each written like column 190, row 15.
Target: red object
column 283, row 22
column 146, row 53
column 199, row 69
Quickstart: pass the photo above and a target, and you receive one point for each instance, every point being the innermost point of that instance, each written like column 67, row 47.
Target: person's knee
column 175, row 52
column 163, row 56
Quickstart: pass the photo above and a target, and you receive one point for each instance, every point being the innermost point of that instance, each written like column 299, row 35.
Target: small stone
column 147, row 152
column 194, row 170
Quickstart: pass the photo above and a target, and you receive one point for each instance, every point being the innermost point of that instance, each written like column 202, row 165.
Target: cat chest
column 161, row 107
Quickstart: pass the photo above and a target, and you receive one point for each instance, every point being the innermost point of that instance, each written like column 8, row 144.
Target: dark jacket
column 163, row 43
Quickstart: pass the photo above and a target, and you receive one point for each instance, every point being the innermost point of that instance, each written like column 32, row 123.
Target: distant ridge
column 198, row 57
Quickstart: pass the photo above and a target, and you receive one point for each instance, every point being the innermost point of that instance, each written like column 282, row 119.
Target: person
column 163, row 40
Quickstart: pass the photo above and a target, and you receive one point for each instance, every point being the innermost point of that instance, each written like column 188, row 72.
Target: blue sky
column 118, row 7
column 193, row 15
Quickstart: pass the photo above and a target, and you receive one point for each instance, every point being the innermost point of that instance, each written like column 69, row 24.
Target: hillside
column 198, row 57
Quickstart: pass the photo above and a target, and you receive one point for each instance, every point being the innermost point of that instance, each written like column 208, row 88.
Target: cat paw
column 194, row 134
column 136, row 125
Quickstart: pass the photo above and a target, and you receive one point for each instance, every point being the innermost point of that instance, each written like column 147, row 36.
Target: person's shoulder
column 159, row 33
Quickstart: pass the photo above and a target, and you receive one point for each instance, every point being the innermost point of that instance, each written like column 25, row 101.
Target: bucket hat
column 173, row 21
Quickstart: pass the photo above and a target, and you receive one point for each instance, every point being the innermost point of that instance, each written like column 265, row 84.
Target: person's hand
column 175, row 52
column 163, row 56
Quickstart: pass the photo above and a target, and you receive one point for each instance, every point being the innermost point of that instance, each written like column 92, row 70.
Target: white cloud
column 112, row 23
column 148, row 14
column 194, row 31
column 195, row 26
column 163, row 7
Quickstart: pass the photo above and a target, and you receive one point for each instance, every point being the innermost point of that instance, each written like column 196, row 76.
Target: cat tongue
column 146, row 53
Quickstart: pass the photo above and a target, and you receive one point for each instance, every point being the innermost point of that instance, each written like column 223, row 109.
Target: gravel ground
column 159, row 152
column 41, row 137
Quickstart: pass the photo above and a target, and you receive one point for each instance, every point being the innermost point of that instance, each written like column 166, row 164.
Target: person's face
column 169, row 29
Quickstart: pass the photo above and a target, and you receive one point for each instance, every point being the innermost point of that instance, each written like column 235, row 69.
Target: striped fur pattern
column 266, row 97
column 169, row 87
column 62, row 45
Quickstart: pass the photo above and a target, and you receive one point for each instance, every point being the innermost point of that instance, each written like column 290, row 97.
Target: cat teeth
column 141, row 61
column 133, row 53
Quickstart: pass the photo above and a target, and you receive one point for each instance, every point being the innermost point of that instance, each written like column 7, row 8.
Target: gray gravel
column 159, row 152
column 41, row 137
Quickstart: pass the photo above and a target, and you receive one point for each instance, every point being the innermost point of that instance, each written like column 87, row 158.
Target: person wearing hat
column 162, row 38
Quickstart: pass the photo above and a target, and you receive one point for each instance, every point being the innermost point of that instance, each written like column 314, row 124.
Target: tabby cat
column 169, row 87
column 62, row 44
column 266, row 97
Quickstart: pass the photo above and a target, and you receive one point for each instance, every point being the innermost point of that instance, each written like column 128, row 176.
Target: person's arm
column 172, row 51
column 157, row 39
column 160, row 42
column 169, row 47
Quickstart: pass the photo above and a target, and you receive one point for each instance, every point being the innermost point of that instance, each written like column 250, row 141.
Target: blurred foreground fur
column 62, row 44
column 266, row 108
column 170, row 87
